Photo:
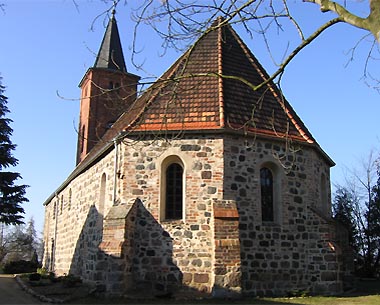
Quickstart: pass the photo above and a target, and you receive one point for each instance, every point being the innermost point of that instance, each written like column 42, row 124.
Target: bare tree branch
column 371, row 23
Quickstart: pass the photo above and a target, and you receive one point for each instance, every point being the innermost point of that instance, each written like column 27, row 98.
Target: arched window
column 324, row 194
column 62, row 203
column 52, row 255
column 267, row 194
column 102, row 196
column 69, row 199
column 55, row 209
column 174, row 191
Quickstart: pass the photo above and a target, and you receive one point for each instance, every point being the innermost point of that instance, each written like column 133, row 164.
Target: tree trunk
column 374, row 18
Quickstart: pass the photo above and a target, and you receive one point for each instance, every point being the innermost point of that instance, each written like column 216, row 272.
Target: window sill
column 173, row 221
column 270, row 224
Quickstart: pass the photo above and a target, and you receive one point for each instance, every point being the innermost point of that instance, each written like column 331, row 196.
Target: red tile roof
column 203, row 90
column 197, row 92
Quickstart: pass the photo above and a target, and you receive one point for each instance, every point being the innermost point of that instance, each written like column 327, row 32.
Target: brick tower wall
column 106, row 94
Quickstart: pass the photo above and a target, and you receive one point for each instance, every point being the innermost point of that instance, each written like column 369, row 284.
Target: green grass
column 359, row 300
column 366, row 293
column 353, row 300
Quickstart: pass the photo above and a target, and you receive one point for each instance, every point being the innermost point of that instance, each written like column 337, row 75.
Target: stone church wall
column 73, row 221
column 221, row 245
column 78, row 231
column 192, row 237
column 292, row 252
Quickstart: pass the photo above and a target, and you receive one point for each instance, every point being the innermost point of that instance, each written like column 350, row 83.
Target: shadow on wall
column 86, row 249
column 150, row 250
column 127, row 252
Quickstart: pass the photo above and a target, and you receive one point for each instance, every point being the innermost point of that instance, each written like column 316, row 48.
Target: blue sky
column 47, row 46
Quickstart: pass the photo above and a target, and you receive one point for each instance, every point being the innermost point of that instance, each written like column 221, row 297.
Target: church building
column 199, row 186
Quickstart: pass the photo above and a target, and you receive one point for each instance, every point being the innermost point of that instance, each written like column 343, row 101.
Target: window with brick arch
column 324, row 203
column 62, row 203
column 69, row 200
column 267, row 194
column 55, row 209
column 102, row 195
column 174, row 192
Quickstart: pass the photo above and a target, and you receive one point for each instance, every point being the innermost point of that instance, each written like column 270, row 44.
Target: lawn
column 349, row 300
column 366, row 293
column 358, row 300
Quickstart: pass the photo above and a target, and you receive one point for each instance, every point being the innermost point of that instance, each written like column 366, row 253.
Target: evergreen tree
column 357, row 206
column 36, row 245
column 343, row 211
column 372, row 231
column 11, row 194
column 21, row 242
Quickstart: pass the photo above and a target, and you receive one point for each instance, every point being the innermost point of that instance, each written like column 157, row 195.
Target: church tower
column 107, row 90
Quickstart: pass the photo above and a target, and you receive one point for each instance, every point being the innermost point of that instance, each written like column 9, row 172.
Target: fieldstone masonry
column 221, row 246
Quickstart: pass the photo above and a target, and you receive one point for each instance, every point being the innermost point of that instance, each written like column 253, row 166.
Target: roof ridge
column 220, row 80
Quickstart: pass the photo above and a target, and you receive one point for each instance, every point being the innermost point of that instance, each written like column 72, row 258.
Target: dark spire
column 110, row 55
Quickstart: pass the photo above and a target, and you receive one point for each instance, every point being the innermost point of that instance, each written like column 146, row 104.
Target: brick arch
column 277, row 177
column 102, row 194
column 166, row 165
column 324, row 194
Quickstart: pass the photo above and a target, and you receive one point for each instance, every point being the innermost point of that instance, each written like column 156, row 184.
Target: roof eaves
column 82, row 167
column 278, row 136
column 106, row 69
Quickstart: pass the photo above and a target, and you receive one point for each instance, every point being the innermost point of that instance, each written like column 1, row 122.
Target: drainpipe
column 116, row 164
column 54, row 243
column 2, row 235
